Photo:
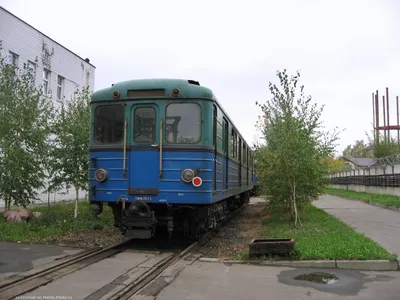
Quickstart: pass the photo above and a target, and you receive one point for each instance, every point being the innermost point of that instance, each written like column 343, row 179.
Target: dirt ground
column 88, row 239
column 234, row 239
column 229, row 241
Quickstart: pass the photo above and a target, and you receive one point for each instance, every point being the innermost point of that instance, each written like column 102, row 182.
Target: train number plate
column 142, row 191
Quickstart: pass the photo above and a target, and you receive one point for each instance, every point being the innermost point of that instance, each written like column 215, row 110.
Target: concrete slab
column 208, row 280
column 379, row 224
column 18, row 257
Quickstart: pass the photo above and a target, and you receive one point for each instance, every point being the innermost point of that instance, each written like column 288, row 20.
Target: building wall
column 29, row 44
column 383, row 171
column 394, row 191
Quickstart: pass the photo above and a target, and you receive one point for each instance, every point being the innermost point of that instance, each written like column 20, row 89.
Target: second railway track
column 27, row 281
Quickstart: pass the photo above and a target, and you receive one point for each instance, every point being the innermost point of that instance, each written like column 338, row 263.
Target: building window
column 31, row 68
column 13, row 58
column 87, row 77
column 60, row 87
column 46, row 81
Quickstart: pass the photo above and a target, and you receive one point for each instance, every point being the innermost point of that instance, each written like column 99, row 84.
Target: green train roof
column 188, row 89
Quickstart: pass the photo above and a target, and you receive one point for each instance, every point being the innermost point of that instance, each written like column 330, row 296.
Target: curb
column 380, row 205
column 364, row 265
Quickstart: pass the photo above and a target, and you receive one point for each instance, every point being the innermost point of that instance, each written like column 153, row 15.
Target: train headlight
column 101, row 174
column 176, row 92
column 187, row 175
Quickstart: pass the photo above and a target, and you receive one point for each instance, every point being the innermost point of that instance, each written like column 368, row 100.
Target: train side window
column 109, row 124
column 183, row 123
column 144, row 125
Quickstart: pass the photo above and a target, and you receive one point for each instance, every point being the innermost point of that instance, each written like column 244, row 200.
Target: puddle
column 342, row 282
column 319, row 277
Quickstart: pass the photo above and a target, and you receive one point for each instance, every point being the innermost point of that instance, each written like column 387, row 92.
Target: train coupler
column 139, row 221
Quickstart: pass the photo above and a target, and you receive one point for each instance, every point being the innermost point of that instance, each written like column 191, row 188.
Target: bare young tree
column 70, row 152
column 292, row 162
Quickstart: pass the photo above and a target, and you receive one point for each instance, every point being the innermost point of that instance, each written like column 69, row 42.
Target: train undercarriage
column 141, row 220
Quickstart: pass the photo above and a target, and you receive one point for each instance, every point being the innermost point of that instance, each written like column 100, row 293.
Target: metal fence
column 384, row 180
column 383, row 172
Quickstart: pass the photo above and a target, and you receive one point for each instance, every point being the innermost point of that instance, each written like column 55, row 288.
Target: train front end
column 151, row 158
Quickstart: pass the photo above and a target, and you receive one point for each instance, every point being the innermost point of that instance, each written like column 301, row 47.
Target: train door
column 144, row 159
column 247, row 166
column 215, row 120
column 240, row 161
column 226, row 159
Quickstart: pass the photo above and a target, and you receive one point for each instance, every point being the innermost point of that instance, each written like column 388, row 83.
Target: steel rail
column 136, row 286
column 29, row 280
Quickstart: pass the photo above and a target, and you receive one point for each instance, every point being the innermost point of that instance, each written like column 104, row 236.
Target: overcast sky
column 345, row 49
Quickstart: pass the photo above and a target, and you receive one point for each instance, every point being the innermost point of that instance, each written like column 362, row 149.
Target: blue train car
column 165, row 155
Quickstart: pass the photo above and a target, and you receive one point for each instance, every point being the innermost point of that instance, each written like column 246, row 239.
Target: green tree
column 70, row 152
column 359, row 149
column 25, row 125
column 293, row 159
column 382, row 147
column 335, row 164
column 386, row 148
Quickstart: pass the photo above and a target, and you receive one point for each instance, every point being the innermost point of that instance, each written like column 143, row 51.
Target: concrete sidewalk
column 209, row 281
column 379, row 224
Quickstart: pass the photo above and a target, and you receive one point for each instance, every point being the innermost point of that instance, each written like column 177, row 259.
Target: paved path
column 208, row 281
column 381, row 225
column 205, row 281
column 18, row 257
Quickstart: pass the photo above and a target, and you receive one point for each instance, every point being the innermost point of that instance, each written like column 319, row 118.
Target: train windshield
column 183, row 123
column 109, row 124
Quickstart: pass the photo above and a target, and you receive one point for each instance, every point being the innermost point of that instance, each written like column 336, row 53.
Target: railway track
column 135, row 287
column 27, row 281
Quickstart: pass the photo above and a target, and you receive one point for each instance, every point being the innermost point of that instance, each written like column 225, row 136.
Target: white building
column 59, row 69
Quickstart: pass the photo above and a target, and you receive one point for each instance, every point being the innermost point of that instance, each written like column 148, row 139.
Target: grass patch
column 56, row 221
column 376, row 198
column 322, row 236
column 241, row 256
